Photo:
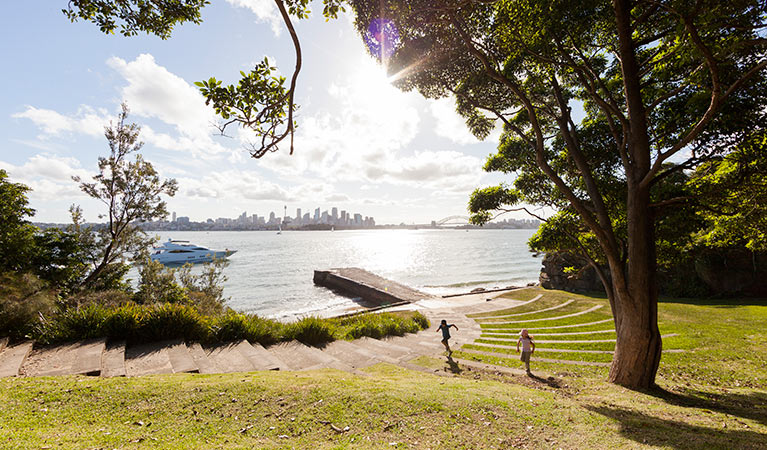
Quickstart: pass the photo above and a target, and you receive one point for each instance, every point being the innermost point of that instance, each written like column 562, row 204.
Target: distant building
column 174, row 216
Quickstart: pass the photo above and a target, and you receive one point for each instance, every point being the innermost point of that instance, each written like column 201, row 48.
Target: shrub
column 23, row 299
column 310, row 331
column 170, row 321
column 234, row 326
column 73, row 324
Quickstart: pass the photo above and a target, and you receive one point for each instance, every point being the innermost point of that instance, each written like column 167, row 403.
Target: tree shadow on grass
column 658, row 432
column 751, row 406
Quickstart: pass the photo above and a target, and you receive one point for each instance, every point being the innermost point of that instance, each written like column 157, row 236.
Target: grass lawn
column 711, row 396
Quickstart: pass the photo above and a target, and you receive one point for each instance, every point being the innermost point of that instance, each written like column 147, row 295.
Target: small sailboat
column 279, row 230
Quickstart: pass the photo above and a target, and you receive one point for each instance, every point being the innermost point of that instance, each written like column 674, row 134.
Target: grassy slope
column 712, row 397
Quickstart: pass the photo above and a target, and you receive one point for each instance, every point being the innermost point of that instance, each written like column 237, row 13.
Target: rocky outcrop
column 569, row 272
column 727, row 273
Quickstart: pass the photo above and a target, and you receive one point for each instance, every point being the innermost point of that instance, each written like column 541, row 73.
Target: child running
column 528, row 348
column 446, row 334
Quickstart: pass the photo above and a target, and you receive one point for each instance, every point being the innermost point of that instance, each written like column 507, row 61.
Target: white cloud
column 49, row 176
column 264, row 10
column 154, row 92
column 452, row 126
column 86, row 121
column 233, row 184
column 365, row 139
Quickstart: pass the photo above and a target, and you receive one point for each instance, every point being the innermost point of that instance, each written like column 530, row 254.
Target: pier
column 372, row 290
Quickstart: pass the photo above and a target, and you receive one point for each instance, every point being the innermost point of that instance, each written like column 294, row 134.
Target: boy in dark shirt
column 446, row 334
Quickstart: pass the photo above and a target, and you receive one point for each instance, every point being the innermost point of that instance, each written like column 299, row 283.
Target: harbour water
column 271, row 274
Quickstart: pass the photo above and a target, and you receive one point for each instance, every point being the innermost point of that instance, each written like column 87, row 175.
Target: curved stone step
column 12, row 358
column 506, row 316
column 535, row 358
column 495, row 307
column 579, row 313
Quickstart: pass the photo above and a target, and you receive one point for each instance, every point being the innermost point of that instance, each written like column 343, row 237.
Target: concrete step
column 298, row 356
column 50, row 360
column 204, row 364
column 3, row 343
column 148, row 359
column 228, row 358
column 88, row 357
column 180, row 358
column 113, row 360
column 354, row 355
column 383, row 348
column 12, row 358
column 260, row 357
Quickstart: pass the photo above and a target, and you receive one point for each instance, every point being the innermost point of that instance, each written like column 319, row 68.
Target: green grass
column 711, row 397
column 722, row 339
column 389, row 407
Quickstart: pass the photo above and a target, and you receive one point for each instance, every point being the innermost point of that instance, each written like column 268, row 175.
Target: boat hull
column 184, row 258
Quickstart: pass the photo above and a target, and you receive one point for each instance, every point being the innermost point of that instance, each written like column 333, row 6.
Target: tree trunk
column 638, row 346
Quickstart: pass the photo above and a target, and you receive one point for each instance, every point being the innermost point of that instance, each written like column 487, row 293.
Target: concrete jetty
column 372, row 290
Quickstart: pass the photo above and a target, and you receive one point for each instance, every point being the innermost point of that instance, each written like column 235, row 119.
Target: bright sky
column 362, row 145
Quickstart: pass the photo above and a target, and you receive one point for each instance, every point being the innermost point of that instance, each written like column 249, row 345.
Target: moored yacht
column 182, row 252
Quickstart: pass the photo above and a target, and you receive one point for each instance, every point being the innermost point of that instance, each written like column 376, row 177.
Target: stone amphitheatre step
column 579, row 313
column 204, row 364
column 388, row 349
column 260, row 357
column 12, row 358
column 507, row 316
column 354, row 355
column 228, row 358
column 297, row 356
column 535, row 358
column 483, row 310
column 158, row 358
column 3, row 343
column 113, row 360
column 50, row 360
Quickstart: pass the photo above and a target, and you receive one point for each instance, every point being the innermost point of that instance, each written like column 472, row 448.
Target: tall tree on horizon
column 666, row 86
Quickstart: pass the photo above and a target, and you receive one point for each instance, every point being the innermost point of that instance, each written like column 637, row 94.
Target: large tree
column 131, row 192
column 659, row 81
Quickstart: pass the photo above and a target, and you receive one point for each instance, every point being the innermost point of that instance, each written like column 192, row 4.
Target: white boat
column 182, row 252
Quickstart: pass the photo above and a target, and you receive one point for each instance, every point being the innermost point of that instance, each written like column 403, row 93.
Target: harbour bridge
column 452, row 221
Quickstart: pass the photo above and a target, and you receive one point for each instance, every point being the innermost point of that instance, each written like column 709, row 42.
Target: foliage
column 310, row 331
column 60, row 258
column 16, row 233
column 24, row 298
column 157, row 17
column 655, row 79
column 131, row 192
column 150, row 322
column 206, row 290
column 734, row 192
column 233, row 326
column 156, row 284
